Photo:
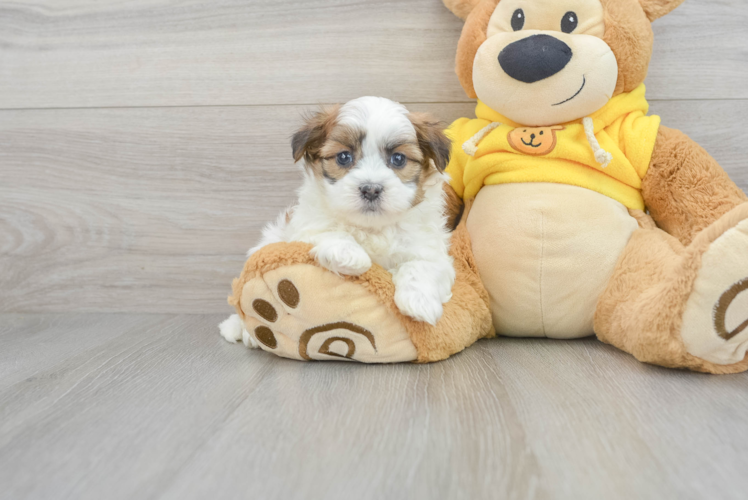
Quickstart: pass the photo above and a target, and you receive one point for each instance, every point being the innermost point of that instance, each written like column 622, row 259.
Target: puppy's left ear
column 655, row 9
column 431, row 139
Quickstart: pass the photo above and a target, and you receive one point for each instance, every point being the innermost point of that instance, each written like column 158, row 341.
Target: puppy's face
column 372, row 158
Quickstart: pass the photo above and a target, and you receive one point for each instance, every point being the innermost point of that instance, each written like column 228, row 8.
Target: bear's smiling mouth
column 584, row 82
column 531, row 143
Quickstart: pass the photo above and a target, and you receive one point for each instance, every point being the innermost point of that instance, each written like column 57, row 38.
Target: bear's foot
column 305, row 312
column 715, row 321
column 682, row 307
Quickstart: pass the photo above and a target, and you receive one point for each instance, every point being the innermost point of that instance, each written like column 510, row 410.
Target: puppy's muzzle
column 371, row 192
column 534, row 58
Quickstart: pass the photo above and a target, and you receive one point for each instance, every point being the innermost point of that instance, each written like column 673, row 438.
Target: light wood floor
column 124, row 406
column 143, row 143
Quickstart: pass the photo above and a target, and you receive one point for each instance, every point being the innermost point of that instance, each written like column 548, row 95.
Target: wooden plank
column 138, row 209
column 129, row 412
column 700, row 52
column 151, row 210
column 35, row 343
column 85, row 53
column 170, row 410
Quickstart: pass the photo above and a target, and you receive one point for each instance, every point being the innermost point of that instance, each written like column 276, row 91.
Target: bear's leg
column 685, row 189
column 681, row 306
column 293, row 307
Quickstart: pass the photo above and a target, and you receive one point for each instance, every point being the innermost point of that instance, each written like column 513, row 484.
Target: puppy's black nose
column 370, row 192
column 535, row 58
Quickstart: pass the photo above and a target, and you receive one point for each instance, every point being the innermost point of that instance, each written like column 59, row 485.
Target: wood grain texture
column 32, row 343
column 87, row 53
column 147, row 202
column 139, row 209
column 151, row 210
column 166, row 409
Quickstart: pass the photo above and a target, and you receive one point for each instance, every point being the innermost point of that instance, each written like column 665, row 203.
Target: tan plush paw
column 304, row 312
column 715, row 322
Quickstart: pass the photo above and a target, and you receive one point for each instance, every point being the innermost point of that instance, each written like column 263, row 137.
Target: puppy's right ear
column 307, row 142
column 461, row 8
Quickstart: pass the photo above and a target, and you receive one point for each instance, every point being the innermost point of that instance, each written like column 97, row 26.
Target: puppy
column 372, row 193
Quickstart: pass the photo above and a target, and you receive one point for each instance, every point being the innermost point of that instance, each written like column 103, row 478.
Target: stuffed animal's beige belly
column 545, row 253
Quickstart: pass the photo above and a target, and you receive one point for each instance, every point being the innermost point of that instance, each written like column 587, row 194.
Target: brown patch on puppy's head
column 329, row 149
column 410, row 155
column 340, row 151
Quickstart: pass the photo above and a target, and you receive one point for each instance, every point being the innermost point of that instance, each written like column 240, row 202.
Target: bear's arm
column 685, row 189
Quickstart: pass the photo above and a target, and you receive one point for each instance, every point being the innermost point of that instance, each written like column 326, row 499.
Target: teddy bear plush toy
column 576, row 213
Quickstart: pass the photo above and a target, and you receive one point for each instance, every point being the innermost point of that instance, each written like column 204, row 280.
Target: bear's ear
column 655, row 9
column 461, row 8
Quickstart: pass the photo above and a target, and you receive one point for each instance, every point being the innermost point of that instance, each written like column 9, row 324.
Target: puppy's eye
column 398, row 160
column 344, row 159
column 569, row 22
column 518, row 19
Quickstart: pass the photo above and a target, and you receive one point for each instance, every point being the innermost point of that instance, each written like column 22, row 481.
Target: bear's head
column 545, row 62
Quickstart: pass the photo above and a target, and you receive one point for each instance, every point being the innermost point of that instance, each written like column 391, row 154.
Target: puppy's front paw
column 422, row 287
column 342, row 257
column 418, row 305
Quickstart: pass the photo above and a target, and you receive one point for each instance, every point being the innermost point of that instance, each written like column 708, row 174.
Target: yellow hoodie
column 608, row 152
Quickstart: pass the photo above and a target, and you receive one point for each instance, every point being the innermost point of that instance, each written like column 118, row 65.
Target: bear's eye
column 398, row 160
column 344, row 158
column 569, row 22
column 518, row 19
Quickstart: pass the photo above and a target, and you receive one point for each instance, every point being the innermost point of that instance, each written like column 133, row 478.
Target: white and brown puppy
column 372, row 192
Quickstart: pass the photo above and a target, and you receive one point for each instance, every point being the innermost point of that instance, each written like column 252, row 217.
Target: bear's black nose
column 535, row 58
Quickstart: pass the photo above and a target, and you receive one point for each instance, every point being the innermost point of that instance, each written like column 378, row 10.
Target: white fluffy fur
column 411, row 242
column 233, row 330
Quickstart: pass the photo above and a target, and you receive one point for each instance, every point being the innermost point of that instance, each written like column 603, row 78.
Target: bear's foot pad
column 305, row 312
column 715, row 322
